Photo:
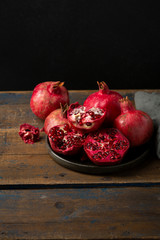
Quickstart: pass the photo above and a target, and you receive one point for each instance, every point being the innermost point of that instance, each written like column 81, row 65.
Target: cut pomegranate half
column 85, row 119
column 106, row 146
column 65, row 140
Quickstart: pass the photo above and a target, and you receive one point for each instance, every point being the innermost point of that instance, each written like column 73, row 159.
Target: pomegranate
column 56, row 117
column 106, row 146
column 48, row 96
column 65, row 140
column 29, row 133
column 107, row 100
column 136, row 125
column 85, row 119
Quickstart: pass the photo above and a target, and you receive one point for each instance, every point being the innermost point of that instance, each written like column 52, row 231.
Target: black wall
column 79, row 42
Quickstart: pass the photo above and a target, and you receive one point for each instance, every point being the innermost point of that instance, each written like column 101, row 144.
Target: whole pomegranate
column 106, row 146
column 65, row 140
column 107, row 100
column 56, row 117
column 136, row 125
column 29, row 133
column 86, row 119
column 48, row 96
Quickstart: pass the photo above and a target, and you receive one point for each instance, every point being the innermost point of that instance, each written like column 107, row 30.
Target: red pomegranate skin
column 56, row 117
column 107, row 100
column 136, row 125
column 47, row 97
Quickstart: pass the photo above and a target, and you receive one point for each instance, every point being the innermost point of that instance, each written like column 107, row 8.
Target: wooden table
column 40, row 199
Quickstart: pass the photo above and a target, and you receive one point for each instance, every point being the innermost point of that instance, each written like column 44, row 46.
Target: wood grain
column 83, row 213
column 41, row 169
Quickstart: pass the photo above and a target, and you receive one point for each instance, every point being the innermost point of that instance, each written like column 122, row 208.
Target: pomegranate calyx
column 126, row 105
column 64, row 109
column 103, row 87
column 54, row 88
column 58, row 84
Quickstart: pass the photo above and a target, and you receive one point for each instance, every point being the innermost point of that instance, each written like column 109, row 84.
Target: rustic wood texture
column 82, row 213
column 40, row 199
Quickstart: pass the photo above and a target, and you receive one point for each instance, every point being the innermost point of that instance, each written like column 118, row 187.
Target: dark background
column 79, row 42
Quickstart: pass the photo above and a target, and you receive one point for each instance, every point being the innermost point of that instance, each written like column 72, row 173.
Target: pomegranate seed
column 101, row 137
column 60, row 133
column 105, row 154
column 91, row 113
column 124, row 143
column 97, row 116
column 76, row 112
column 98, row 156
column 80, row 122
column 95, row 137
column 66, row 127
column 63, row 147
column 83, row 115
column 88, row 123
column 115, row 155
column 72, row 106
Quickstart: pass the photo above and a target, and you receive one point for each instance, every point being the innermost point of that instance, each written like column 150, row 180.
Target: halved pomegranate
column 106, row 146
column 65, row 140
column 83, row 118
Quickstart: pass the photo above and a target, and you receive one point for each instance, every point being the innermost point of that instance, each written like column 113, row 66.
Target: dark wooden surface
column 40, row 199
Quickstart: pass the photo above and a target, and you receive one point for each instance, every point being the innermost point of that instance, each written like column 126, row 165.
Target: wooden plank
column 12, row 116
column 43, row 170
column 11, row 143
column 82, row 213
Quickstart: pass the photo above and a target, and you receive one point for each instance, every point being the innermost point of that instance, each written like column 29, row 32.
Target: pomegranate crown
column 55, row 86
column 64, row 109
column 58, row 84
column 126, row 105
column 103, row 86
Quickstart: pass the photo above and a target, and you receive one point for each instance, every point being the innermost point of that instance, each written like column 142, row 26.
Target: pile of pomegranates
column 105, row 126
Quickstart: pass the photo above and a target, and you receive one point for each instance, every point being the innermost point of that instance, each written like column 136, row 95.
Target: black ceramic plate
column 133, row 157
